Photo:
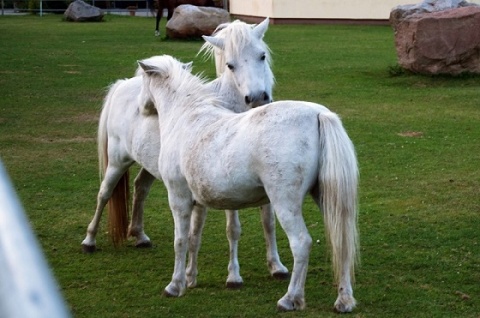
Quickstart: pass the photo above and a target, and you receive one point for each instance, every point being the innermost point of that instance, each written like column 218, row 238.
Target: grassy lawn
column 418, row 145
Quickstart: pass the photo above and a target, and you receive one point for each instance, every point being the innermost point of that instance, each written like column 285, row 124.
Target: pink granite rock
column 442, row 42
column 191, row 21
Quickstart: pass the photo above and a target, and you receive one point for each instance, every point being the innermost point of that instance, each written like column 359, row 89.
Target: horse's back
column 123, row 104
column 132, row 136
column 234, row 158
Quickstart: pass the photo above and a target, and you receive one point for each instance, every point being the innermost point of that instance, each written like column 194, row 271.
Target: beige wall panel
column 317, row 9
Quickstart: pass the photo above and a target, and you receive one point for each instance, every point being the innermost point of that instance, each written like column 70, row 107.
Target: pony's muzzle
column 258, row 99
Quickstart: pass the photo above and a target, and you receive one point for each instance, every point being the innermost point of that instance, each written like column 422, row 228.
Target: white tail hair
column 119, row 202
column 338, row 197
column 102, row 134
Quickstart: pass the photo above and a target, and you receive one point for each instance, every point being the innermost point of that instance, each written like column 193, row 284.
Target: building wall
column 291, row 10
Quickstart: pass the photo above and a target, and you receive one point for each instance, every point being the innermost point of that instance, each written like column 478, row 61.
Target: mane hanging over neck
column 174, row 78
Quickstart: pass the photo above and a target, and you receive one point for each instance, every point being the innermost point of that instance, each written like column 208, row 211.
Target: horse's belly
column 231, row 200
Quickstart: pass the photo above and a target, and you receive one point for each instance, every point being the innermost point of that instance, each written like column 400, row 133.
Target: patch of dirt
column 78, row 139
column 71, row 66
column 414, row 134
column 81, row 118
column 463, row 296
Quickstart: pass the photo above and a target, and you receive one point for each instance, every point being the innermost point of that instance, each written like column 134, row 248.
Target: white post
column 27, row 287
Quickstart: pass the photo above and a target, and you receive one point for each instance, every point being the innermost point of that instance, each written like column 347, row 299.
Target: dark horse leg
column 161, row 4
column 170, row 5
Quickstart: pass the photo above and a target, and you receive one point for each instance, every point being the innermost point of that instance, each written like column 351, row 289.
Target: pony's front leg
column 199, row 214
column 143, row 183
column 275, row 266
column 181, row 216
column 234, row 280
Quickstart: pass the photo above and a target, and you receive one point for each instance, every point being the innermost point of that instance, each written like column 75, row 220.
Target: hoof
column 234, row 285
column 286, row 304
column 88, row 249
column 172, row 290
column 281, row 275
column 343, row 308
column 168, row 294
column 282, row 308
column 191, row 284
column 146, row 244
column 344, row 304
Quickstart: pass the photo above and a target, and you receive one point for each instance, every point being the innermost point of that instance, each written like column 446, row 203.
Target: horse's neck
column 184, row 109
column 229, row 94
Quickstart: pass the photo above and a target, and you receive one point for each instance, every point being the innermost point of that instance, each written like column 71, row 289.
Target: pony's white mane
column 176, row 79
column 147, row 106
column 239, row 35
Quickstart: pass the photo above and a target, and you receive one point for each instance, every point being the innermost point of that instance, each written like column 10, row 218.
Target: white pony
column 213, row 157
column 128, row 132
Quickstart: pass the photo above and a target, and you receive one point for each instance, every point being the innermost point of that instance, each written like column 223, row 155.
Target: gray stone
column 80, row 11
column 191, row 21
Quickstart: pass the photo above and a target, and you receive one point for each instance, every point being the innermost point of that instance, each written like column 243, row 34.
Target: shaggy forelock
column 239, row 35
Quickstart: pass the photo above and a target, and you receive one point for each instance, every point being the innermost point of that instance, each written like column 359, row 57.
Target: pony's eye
column 262, row 58
column 230, row 67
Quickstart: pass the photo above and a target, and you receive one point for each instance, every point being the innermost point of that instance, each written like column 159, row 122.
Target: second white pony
column 213, row 157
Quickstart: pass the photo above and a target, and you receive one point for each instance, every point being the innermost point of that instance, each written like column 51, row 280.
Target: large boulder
column 430, row 40
column 191, row 21
column 427, row 6
column 80, row 11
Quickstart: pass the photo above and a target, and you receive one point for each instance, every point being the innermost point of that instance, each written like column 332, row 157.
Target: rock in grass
column 80, row 11
column 433, row 38
column 191, row 21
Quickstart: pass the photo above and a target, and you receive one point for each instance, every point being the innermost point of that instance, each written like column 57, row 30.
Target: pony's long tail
column 338, row 182
column 119, row 202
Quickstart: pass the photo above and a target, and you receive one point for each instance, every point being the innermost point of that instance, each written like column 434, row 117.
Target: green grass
column 417, row 140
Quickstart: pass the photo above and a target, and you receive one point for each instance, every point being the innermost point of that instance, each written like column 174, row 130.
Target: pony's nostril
column 266, row 97
column 247, row 100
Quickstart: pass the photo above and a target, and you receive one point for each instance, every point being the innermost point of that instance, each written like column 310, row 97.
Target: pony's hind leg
column 157, row 31
column 160, row 6
column 143, row 183
column 275, row 266
column 112, row 176
column 345, row 301
column 291, row 220
column 234, row 280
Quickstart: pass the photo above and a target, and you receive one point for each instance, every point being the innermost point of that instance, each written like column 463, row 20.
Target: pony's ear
column 220, row 27
column 217, row 42
column 151, row 68
column 188, row 66
column 145, row 67
column 261, row 28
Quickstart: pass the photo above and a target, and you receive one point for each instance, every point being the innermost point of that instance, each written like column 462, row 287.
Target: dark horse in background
column 170, row 5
